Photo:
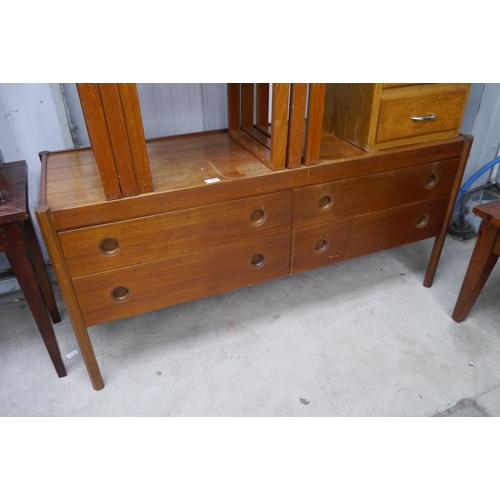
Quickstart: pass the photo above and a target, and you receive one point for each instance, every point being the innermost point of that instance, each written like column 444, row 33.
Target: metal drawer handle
column 423, row 118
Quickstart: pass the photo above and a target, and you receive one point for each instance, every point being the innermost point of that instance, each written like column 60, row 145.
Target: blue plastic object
column 476, row 176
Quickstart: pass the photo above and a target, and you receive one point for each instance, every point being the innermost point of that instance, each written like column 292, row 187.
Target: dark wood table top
column 13, row 192
column 489, row 211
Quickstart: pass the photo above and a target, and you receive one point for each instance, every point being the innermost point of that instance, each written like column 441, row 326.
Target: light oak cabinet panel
column 377, row 116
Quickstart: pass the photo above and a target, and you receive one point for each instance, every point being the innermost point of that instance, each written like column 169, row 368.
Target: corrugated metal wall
column 29, row 123
column 167, row 108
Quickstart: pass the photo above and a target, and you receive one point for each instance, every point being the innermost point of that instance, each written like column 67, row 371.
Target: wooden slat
column 117, row 130
column 314, row 123
column 296, row 122
column 264, row 129
column 255, row 133
column 262, row 104
column 279, row 125
column 247, row 91
column 234, row 105
column 250, row 144
column 93, row 112
column 137, row 140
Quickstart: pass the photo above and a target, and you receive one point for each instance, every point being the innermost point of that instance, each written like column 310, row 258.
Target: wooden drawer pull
column 109, row 246
column 321, row 246
column 431, row 181
column 422, row 221
column 325, row 202
column 258, row 217
column 257, row 261
column 423, row 118
column 120, row 293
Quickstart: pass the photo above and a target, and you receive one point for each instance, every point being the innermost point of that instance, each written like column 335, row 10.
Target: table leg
column 40, row 270
column 481, row 264
column 16, row 251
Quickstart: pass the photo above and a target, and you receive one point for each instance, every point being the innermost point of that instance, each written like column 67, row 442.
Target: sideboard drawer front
column 145, row 287
column 119, row 244
column 348, row 198
column 395, row 117
column 337, row 241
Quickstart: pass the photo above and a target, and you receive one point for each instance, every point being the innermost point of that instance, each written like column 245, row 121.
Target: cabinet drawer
column 439, row 113
column 377, row 116
column 348, row 198
column 348, row 238
column 145, row 287
column 111, row 246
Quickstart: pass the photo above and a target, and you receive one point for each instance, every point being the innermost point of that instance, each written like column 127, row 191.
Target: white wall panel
column 166, row 108
column 486, row 132
column 182, row 108
column 29, row 123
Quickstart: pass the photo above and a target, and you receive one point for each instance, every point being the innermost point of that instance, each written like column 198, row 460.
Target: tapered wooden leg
column 481, row 264
column 441, row 237
column 41, row 272
column 16, row 251
column 63, row 278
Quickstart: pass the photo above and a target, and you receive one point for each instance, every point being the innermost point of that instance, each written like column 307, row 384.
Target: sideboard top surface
column 181, row 166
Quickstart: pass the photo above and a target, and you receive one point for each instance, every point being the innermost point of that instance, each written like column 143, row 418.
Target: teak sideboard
column 132, row 225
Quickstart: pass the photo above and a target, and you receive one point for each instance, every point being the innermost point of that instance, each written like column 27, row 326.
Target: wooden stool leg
column 17, row 253
column 481, row 264
column 41, row 272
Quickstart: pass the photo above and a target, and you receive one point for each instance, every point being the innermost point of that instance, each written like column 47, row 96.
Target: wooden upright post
column 114, row 124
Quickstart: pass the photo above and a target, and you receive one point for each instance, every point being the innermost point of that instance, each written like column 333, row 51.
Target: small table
column 18, row 241
column 483, row 259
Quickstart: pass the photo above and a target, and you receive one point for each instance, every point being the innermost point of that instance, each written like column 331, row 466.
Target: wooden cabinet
column 223, row 211
column 377, row 116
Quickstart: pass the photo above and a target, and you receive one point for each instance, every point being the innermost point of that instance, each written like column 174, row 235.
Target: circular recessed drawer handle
column 258, row 217
column 422, row 221
column 257, row 260
column 321, row 246
column 431, row 181
column 325, row 202
column 425, row 118
column 120, row 293
column 109, row 246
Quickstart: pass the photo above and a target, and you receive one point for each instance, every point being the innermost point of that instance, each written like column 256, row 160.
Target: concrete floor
column 361, row 338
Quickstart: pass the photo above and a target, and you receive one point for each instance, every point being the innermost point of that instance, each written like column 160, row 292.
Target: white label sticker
column 209, row 181
column 71, row 354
